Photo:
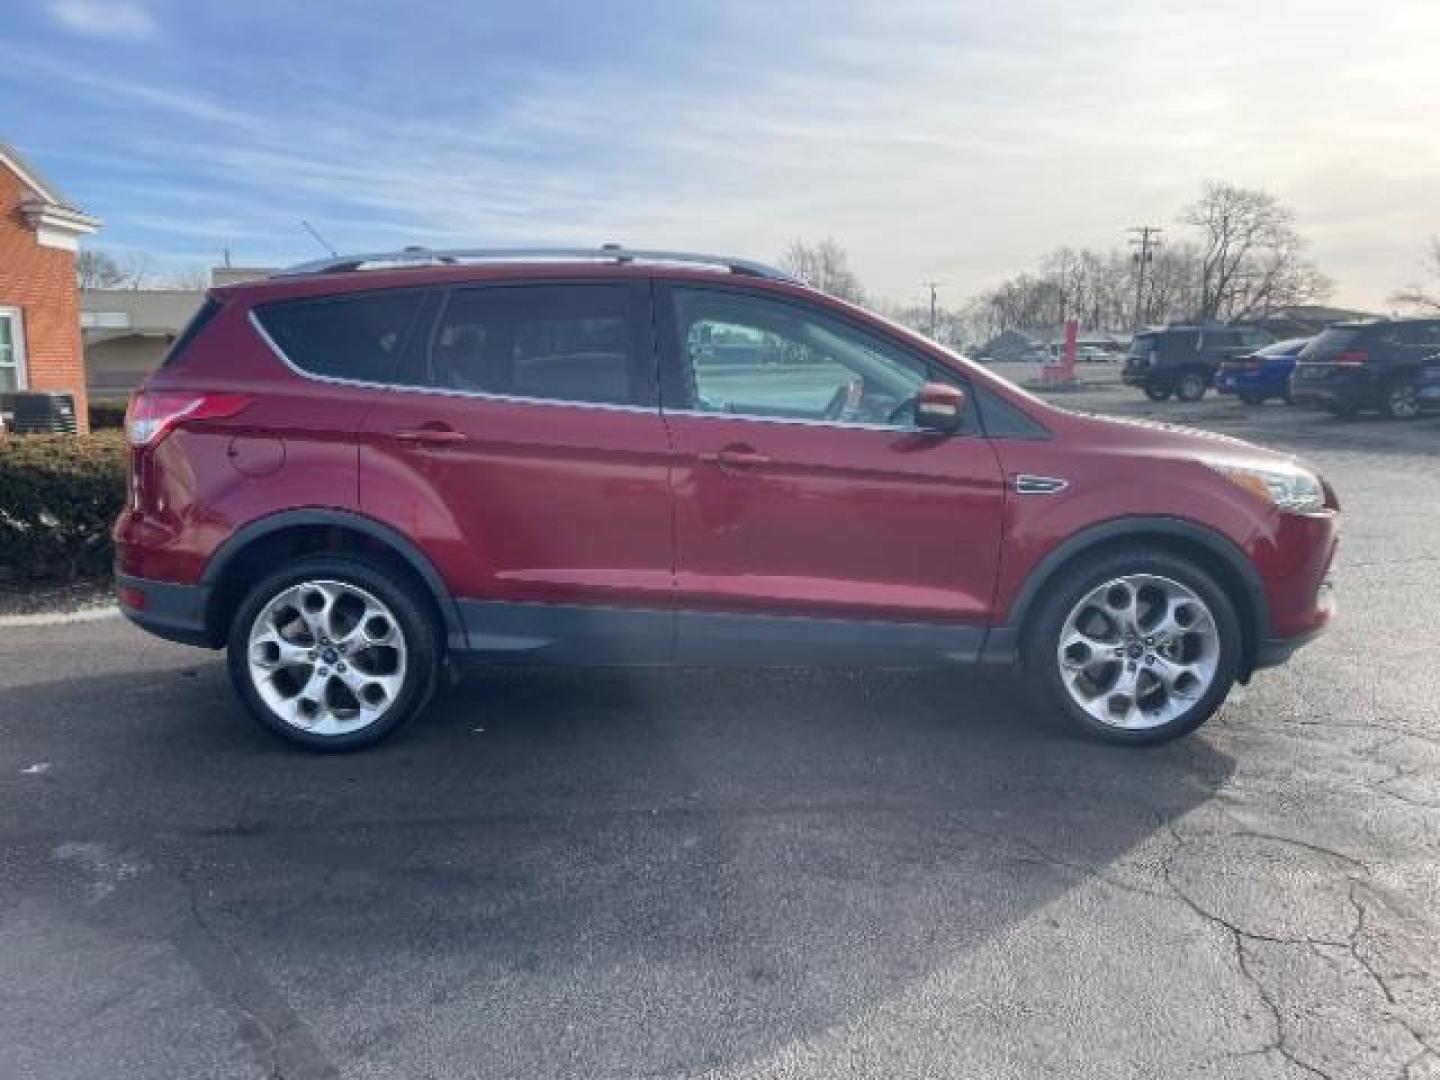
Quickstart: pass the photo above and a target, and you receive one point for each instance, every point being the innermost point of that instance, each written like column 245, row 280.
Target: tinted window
column 352, row 337
column 558, row 342
column 752, row 356
column 1143, row 345
column 1329, row 343
column 200, row 320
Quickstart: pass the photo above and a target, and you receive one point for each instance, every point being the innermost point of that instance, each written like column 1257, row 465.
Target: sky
column 950, row 141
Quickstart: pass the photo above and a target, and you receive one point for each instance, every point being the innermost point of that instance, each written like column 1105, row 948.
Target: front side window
column 575, row 343
column 12, row 369
column 752, row 356
column 348, row 337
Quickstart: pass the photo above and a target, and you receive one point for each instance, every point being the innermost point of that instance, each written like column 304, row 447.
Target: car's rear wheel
column 1401, row 399
column 1253, row 399
column 1156, row 393
column 333, row 652
column 1191, row 386
column 1135, row 647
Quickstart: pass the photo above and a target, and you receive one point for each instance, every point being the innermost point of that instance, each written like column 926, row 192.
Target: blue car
column 1263, row 374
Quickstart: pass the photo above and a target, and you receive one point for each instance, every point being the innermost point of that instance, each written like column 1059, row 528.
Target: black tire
column 419, row 637
column 1041, row 638
column 1252, row 399
column 1156, row 393
column 1342, row 409
column 1191, row 385
column 1400, row 399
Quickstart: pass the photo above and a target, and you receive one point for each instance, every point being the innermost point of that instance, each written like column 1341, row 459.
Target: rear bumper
column 1272, row 652
column 166, row 609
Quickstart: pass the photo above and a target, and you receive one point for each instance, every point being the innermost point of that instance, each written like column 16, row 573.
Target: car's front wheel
column 1135, row 647
column 333, row 652
column 1156, row 393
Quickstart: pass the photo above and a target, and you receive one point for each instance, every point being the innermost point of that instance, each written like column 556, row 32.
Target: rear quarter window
column 201, row 319
column 351, row 337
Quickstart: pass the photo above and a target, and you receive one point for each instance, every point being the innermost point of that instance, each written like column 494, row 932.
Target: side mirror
column 939, row 407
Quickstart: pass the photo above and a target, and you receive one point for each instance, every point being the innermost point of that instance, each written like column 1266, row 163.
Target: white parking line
column 58, row 618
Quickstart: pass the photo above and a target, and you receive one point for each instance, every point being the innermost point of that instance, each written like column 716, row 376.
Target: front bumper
column 166, row 609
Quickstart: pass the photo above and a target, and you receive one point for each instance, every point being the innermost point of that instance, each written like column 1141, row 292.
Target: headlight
column 1285, row 487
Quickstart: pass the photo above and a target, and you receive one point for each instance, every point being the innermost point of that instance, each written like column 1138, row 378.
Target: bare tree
column 1251, row 255
column 192, row 278
column 1420, row 296
column 96, row 268
column 826, row 266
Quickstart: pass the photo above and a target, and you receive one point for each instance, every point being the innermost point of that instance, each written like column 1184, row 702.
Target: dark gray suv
column 1366, row 365
column 1182, row 360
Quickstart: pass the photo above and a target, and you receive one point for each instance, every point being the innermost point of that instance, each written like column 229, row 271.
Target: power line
column 1147, row 240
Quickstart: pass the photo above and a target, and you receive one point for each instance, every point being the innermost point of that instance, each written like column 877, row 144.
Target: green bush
column 59, row 495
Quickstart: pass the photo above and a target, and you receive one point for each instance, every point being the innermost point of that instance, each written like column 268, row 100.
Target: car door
column 525, row 453
column 810, row 513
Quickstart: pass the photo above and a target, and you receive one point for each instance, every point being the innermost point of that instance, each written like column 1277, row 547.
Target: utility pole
column 932, row 286
column 1146, row 240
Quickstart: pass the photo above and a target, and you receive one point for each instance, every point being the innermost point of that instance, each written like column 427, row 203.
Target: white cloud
column 113, row 20
column 955, row 143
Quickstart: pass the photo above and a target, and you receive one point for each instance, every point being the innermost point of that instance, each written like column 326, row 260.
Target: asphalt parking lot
column 731, row 874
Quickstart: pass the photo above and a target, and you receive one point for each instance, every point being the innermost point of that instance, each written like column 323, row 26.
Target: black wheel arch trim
column 1004, row 640
column 417, row 560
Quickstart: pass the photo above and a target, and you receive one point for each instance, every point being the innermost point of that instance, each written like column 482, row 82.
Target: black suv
column 1366, row 365
column 1182, row 360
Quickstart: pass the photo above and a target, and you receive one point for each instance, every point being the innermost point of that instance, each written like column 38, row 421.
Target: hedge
column 59, row 495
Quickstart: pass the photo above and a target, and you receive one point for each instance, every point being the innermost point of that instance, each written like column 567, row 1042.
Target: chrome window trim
column 438, row 391
column 800, row 421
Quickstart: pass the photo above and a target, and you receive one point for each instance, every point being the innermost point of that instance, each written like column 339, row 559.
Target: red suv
column 350, row 471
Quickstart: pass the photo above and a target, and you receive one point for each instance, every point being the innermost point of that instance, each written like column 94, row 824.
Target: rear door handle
column 431, row 436
column 736, row 457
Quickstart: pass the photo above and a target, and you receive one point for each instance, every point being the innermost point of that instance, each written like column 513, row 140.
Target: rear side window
column 575, row 343
column 349, row 337
column 197, row 323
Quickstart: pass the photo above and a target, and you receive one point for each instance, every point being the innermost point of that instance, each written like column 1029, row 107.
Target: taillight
column 153, row 413
column 1352, row 358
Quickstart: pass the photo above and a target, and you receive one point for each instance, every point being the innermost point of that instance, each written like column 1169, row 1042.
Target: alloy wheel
column 1138, row 651
column 327, row 657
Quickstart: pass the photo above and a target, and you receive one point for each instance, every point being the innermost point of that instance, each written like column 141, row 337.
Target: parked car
column 1182, row 360
column 1366, row 365
column 1428, row 382
column 1261, row 375
column 347, row 473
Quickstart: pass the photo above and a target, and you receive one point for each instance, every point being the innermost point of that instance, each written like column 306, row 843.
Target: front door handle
column 427, row 435
column 736, row 457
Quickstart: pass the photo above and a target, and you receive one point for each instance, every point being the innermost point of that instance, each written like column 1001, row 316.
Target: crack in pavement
column 269, row 1024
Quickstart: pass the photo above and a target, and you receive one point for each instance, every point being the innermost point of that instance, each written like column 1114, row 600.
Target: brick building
column 40, row 346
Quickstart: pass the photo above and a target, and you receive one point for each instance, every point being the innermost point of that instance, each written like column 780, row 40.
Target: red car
column 352, row 470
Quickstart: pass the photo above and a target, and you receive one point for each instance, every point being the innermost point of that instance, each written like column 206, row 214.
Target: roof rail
column 421, row 256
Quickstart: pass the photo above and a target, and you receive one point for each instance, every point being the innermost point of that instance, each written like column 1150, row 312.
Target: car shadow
column 702, row 865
